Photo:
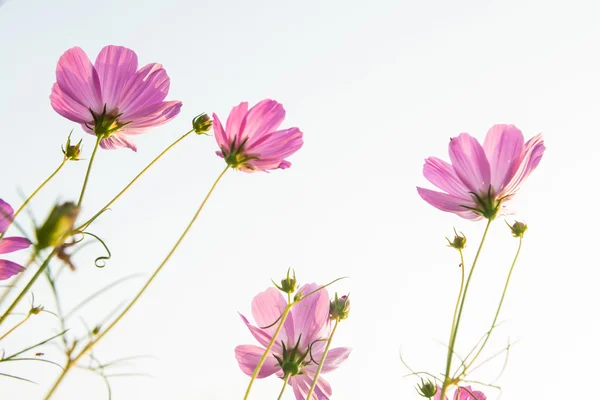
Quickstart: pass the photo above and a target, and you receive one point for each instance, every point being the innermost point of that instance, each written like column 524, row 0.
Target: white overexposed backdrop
column 376, row 87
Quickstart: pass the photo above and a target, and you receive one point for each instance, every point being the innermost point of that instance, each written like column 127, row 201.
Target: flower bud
column 459, row 242
column 58, row 225
column 288, row 284
column 427, row 389
column 339, row 307
column 202, row 124
column 518, row 229
column 72, row 152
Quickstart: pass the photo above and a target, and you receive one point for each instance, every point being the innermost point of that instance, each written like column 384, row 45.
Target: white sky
column 376, row 87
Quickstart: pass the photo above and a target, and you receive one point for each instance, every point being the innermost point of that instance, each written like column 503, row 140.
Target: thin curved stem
column 11, row 330
column 460, row 293
column 32, row 195
column 99, row 337
column 454, row 333
column 488, row 334
column 286, row 379
column 87, row 174
column 262, row 360
column 142, row 172
column 322, row 362
column 29, row 285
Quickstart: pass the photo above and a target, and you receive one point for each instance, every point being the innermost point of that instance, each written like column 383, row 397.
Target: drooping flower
column 462, row 393
column 482, row 179
column 9, row 244
column 299, row 345
column 251, row 142
column 112, row 99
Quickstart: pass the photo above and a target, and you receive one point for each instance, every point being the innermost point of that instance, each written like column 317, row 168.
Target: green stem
column 454, row 331
column 32, row 195
column 499, row 307
column 11, row 330
column 460, row 293
column 99, row 337
column 89, row 169
column 28, row 286
column 262, row 360
column 142, row 172
column 322, row 362
column 286, row 379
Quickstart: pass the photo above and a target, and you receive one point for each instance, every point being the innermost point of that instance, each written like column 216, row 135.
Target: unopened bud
column 459, row 242
column 518, row 229
column 72, row 152
column 202, row 124
column 58, row 225
column 339, row 308
column 427, row 389
column 288, row 284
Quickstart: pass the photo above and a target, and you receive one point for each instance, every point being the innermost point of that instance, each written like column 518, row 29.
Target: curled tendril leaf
column 100, row 262
column 310, row 349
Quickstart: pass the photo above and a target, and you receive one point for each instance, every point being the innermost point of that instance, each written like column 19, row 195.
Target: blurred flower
column 112, row 99
column 427, row 389
column 57, row 227
column 300, row 343
column 463, row 393
column 481, row 179
column 9, row 244
column 250, row 141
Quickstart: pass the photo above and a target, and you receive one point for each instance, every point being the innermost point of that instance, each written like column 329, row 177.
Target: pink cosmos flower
column 251, row 142
column 482, row 179
column 462, row 393
column 9, row 244
column 299, row 339
column 112, row 99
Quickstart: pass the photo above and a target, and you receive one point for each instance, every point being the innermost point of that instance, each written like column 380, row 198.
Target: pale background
column 376, row 87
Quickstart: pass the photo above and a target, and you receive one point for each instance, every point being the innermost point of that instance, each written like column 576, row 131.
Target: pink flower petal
column 147, row 86
column 263, row 118
column 115, row 65
column 8, row 269
column 311, row 315
column 275, row 145
column 6, row 215
column 64, row 105
column 262, row 336
column 334, row 358
column 248, row 357
column 150, row 116
column 470, row 163
column 301, row 385
column 467, row 393
column 447, row 202
column 234, row 121
column 442, row 175
column 503, row 147
column 77, row 77
column 267, row 308
column 438, row 394
column 221, row 136
column 11, row 244
column 117, row 141
column 534, row 150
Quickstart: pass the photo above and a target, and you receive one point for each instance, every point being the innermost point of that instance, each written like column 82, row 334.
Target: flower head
column 427, row 389
column 300, row 343
column 111, row 98
column 9, row 244
column 518, row 229
column 251, row 142
column 463, row 393
column 482, row 179
column 339, row 307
